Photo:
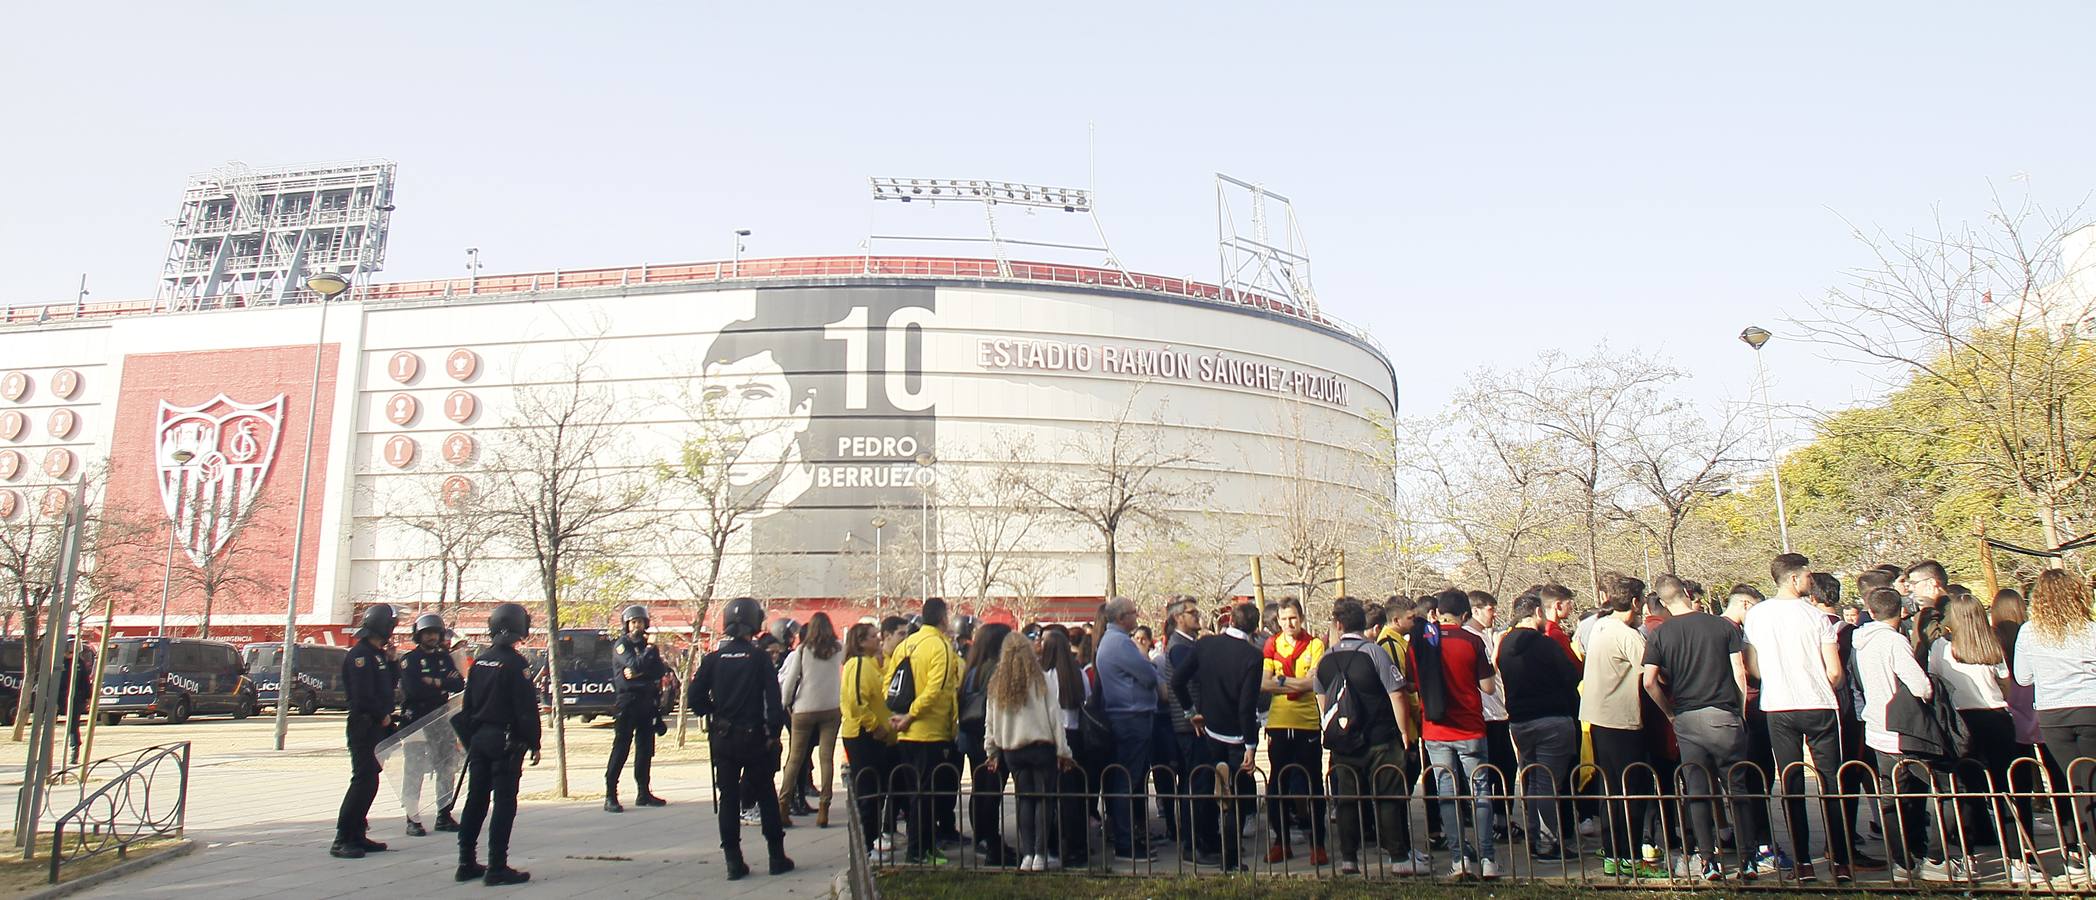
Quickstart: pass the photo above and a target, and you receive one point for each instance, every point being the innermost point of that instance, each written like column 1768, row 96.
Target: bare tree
column 1319, row 505
column 1122, row 472
column 987, row 518
column 1580, row 413
column 1984, row 329
column 456, row 530
column 245, row 564
column 1492, row 491
column 562, row 498
column 1679, row 463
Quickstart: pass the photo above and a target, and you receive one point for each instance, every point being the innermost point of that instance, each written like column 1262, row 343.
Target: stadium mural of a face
column 826, row 412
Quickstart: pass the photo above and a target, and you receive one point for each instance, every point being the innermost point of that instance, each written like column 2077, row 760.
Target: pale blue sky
column 1478, row 181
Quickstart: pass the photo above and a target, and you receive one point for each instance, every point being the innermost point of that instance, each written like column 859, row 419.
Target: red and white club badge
column 461, row 364
column 62, row 423
column 401, row 409
column 213, row 459
column 58, row 462
column 10, row 464
column 459, row 447
column 12, row 423
column 459, row 406
column 457, row 490
column 14, row 386
column 65, row 383
column 55, row 502
column 404, row 366
column 10, row 502
column 400, row 450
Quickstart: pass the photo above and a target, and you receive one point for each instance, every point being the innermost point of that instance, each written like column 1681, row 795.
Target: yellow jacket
column 865, row 699
column 937, row 671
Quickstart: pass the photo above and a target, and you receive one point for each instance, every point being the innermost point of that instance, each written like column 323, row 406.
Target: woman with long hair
column 809, row 685
column 869, row 744
column 987, row 783
column 1067, row 841
column 1970, row 661
column 2056, row 655
column 1025, row 738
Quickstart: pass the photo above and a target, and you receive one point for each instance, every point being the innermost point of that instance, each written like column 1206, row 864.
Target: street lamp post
column 740, row 233
column 167, row 570
column 1755, row 336
column 328, row 285
column 879, row 588
column 925, row 477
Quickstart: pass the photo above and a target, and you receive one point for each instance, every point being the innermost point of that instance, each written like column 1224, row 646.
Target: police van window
column 11, row 657
column 187, row 658
column 228, row 660
column 265, row 657
column 130, row 653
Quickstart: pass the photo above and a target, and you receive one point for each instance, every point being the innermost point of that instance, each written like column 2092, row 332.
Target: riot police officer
column 738, row 692
column 499, row 725
column 370, row 676
column 636, row 671
column 428, row 679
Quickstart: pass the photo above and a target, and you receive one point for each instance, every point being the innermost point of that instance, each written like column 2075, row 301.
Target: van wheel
column 111, row 719
column 178, row 712
column 244, row 708
column 308, row 705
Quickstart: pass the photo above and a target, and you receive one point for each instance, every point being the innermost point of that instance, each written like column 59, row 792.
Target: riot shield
column 425, row 760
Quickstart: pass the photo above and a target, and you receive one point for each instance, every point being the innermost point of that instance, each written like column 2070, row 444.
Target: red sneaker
column 1318, row 857
column 1278, row 852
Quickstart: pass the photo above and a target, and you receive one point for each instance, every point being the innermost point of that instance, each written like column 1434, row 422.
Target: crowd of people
column 1682, row 736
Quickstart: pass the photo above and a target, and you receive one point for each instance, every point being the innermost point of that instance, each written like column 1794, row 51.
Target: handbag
column 902, row 688
column 1093, row 732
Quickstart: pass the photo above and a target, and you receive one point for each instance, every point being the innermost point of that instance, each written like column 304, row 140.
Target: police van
column 586, row 686
column 316, row 675
column 11, row 677
column 174, row 678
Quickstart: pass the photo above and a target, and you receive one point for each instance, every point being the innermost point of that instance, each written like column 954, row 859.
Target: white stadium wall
column 837, row 382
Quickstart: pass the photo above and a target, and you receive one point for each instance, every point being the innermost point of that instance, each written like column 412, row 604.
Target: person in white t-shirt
column 1976, row 671
column 1792, row 647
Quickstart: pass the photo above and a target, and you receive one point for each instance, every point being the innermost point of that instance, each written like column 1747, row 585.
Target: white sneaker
column 885, row 843
column 1031, row 864
column 1349, row 867
column 1947, row 870
column 2023, row 874
column 1418, row 864
column 1590, row 827
column 1463, row 869
column 1490, row 869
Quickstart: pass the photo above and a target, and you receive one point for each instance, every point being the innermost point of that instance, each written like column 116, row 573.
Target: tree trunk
column 1667, row 547
column 204, row 630
column 560, row 719
column 1593, row 550
column 1113, row 563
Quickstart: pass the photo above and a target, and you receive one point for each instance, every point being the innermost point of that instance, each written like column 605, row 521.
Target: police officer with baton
column 370, row 676
column 736, row 688
column 499, row 724
column 428, row 679
column 636, row 670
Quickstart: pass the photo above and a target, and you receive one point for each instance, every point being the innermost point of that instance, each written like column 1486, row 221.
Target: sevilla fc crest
column 213, row 459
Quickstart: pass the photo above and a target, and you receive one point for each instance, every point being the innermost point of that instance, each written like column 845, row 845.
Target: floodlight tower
column 1258, row 263
column 990, row 194
column 245, row 237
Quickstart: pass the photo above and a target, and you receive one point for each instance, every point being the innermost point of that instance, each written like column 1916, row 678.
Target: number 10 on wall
column 852, row 331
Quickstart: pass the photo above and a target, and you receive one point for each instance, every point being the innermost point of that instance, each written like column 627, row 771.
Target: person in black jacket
column 1218, row 686
column 370, row 676
column 636, row 671
column 500, row 724
column 1542, row 700
column 737, row 691
column 428, row 679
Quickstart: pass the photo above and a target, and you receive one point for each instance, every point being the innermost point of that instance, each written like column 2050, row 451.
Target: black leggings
column 872, row 762
column 1988, row 770
column 2071, row 736
column 1618, row 752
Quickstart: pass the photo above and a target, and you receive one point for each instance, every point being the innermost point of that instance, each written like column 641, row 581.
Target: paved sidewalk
column 263, row 822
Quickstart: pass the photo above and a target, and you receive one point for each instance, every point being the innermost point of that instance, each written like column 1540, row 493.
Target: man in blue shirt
column 1128, row 691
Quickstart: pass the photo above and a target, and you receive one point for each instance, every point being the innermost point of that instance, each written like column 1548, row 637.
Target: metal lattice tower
column 245, row 237
column 1258, row 263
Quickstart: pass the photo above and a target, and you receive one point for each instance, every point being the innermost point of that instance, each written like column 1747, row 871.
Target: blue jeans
column 1464, row 759
column 1127, row 782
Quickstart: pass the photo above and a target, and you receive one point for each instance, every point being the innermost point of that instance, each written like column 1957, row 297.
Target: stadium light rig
column 972, row 190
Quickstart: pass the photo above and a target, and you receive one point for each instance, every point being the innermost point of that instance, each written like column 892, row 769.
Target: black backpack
column 902, row 688
column 1094, row 733
column 1344, row 728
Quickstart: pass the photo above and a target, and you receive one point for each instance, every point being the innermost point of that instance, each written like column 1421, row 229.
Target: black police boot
column 500, row 875
column 445, row 822
column 737, row 869
column 780, row 863
column 468, row 870
column 371, row 846
column 611, row 802
column 415, row 829
column 647, row 798
column 346, row 850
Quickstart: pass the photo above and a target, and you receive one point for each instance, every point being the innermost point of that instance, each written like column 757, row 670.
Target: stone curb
column 67, row 888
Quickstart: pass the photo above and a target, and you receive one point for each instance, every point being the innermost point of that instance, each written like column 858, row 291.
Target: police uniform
column 499, row 724
column 420, row 697
column 737, row 690
column 370, row 677
column 638, row 706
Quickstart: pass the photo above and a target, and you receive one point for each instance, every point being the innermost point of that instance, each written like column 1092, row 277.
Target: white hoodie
column 1884, row 659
